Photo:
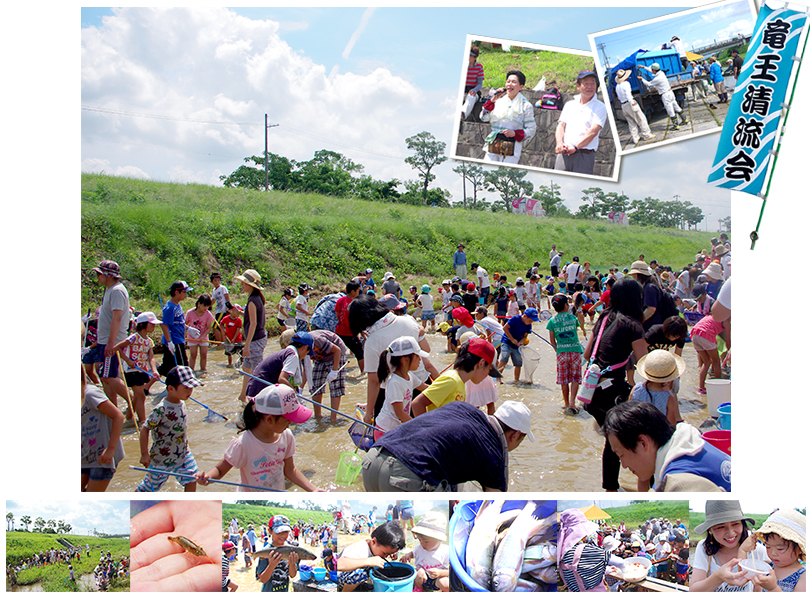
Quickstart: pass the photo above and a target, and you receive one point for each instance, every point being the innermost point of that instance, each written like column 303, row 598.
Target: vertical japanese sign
column 750, row 129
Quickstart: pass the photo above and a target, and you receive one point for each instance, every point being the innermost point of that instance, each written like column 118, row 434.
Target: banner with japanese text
column 750, row 128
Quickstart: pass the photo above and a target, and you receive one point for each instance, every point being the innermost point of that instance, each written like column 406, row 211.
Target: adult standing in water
column 254, row 325
column 113, row 319
column 617, row 335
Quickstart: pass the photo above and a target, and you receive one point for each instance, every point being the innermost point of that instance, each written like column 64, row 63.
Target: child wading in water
column 200, row 319
column 425, row 302
column 704, row 339
column 167, row 422
column 783, row 534
column 232, row 330
column 661, row 369
column 397, row 364
column 562, row 330
column 264, row 451
column 102, row 449
column 136, row 351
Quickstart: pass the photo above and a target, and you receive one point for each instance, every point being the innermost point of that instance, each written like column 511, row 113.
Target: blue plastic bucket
column 397, row 583
column 460, row 525
column 724, row 416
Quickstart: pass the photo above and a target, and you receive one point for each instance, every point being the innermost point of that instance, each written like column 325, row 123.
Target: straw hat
column 622, row 75
column 720, row 250
column 433, row 524
column 789, row 524
column 640, row 267
column 722, row 511
column 714, row 270
column 252, row 278
column 660, row 366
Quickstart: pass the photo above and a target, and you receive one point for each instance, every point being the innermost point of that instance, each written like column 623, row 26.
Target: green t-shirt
column 564, row 327
column 448, row 387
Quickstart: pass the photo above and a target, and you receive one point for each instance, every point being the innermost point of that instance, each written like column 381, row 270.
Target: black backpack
column 551, row 100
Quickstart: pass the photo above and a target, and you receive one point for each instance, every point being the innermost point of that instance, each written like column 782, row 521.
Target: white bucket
column 718, row 391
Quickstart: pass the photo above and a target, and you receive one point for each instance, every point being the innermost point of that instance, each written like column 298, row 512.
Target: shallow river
column 566, row 455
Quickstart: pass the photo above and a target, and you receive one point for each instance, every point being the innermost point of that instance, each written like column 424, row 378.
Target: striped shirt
column 226, row 570
column 591, row 567
column 475, row 77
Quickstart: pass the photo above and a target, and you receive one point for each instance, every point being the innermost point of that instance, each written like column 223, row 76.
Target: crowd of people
column 107, row 569
column 637, row 315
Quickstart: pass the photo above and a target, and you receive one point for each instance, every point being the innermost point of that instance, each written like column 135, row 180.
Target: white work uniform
column 632, row 112
column 660, row 84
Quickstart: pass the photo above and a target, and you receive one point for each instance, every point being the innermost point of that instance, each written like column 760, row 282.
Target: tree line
column 331, row 174
column 40, row 525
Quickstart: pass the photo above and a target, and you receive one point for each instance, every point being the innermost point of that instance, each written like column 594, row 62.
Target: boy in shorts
column 232, row 328
column 562, row 330
column 167, row 423
column 174, row 328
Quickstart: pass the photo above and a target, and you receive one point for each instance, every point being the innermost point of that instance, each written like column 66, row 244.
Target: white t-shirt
column 218, row 296
column 260, row 463
column 302, row 300
column 397, row 389
column 572, row 273
column 482, row 274
column 520, row 293
column 356, row 550
column 435, row 559
column 379, row 340
column 624, row 92
column 425, row 301
column 285, row 304
column 701, row 562
column 724, row 295
column 579, row 118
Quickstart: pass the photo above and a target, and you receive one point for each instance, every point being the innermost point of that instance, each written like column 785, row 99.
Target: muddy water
column 566, row 455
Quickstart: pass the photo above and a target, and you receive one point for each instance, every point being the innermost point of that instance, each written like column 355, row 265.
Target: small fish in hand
column 189, row 546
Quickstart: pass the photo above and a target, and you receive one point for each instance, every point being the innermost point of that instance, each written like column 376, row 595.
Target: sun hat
column 285, row 338
column 714, row 270
column 279, row 524
column 610, row 543
column 532, row 314
column 622, row 75
column 252, row 278
column 108, row 268
column 519, row 280
column 182, row 376
column 446, row 282
column 463, row 316
column 403, row 346
column 391, row 302
column 722, row 511
column 279, row 399
column 147, row 317
column 635, row 544
column 460, row 246
column 660, row 366
column 720, row 250
column 649, row 547
column 432, row 524
column 574, row 526
column 517, row 416
column 789, row 524
column 640, row 267
column 444, row 326
column 388, row 275
column 425, row 289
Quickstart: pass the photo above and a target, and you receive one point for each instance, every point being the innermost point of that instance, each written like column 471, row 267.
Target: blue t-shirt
column 175, row 320
column 517, row 328
column 454, row 443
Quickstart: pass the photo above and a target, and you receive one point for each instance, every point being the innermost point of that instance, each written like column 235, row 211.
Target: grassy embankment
column 635, row 515
column 559, row 68
column 161, row 232
column 251, row 513
column 21, row 545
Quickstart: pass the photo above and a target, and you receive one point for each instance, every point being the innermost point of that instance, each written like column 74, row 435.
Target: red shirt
column 342, row 310
column 232, row 327
column 474, row 73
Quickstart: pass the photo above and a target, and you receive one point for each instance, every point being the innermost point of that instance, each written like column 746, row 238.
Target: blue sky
column 695, row 28
column 86, row 514
column 354, row 80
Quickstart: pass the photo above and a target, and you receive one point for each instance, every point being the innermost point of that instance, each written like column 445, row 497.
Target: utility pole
column 266, row 175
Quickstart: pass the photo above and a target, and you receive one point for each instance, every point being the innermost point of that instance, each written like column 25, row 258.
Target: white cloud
column 356, row 35
column 741, row 26
column 102, row 165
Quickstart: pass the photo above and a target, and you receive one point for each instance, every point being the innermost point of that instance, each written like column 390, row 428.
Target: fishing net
column 531, row 358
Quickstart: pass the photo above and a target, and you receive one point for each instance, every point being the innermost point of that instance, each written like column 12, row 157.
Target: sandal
column 701, row 390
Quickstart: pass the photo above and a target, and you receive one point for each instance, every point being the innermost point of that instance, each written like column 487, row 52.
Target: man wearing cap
column 515, row 332
column 674, row 457
column 460, row 262
column 677, row 44
column 636, row 120
column 174, row 328
column 578, row 127
column 660, row 84
column 447, row 447
column 113, row 319
column 368, row 283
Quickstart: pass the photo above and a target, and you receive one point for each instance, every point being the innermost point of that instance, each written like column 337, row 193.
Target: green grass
column 161, row 232
column 251, row 513
column 634, row 515
column 559, row 68
column 21, row 545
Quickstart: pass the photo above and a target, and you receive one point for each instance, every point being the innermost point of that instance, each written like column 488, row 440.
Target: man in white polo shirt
column 578, row 128
column 632, row 111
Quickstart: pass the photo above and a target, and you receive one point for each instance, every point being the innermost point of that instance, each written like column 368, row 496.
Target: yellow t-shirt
column 446, row 388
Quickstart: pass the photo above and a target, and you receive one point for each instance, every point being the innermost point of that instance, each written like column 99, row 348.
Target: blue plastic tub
column 460, row 525
column 400, row 584
column 724, row 416
column 319, row 573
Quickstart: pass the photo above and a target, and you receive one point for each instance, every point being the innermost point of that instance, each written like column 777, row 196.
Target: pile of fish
column 512, row 551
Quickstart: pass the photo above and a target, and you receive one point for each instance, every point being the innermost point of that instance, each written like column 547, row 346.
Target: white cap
column 147, row 317
column 402, row 346
column 517, row 416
